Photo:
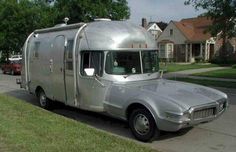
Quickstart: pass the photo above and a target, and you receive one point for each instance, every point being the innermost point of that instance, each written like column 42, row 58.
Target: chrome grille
column 222, row 106
column 204, row 113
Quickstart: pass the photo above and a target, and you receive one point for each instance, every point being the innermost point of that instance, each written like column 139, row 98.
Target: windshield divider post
column 141, row 61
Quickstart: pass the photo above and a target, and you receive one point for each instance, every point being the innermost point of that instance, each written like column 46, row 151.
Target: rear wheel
column 44, row 102
column 142, row 124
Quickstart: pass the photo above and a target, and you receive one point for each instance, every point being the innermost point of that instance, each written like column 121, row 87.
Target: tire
column 44, row 102
column 142, row 125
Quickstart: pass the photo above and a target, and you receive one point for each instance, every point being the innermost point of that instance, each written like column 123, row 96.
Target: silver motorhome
column 112, row 67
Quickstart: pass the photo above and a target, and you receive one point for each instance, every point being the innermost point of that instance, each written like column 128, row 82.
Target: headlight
column 178, row 117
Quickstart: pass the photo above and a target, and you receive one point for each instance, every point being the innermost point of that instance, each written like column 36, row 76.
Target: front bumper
column 197, row 115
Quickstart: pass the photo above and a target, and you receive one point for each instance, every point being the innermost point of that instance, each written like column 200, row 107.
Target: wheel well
column 133, row 107
column 38, row 89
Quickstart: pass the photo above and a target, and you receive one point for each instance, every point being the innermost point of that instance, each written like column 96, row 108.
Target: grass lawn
column 205, row 82
column 24, row 127
column 225, row 73
column 173, row 67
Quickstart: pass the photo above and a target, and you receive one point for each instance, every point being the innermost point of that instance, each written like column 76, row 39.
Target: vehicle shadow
column 96, row 120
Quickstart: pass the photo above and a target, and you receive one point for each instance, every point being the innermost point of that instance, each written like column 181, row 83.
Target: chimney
column 144, row 22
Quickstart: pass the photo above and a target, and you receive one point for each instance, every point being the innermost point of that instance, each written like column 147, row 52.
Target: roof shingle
column 194, row 29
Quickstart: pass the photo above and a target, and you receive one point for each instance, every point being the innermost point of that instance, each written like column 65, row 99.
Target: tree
column 223, row 15
column 21, row 17
column 18, row 20
column 88, row 10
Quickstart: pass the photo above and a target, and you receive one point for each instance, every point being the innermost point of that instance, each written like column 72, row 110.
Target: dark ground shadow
column 96, row 120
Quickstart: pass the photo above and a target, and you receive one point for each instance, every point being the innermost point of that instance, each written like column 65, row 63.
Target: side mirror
column 89, row 71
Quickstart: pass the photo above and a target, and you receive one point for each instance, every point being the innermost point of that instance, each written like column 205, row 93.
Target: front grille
column 222, row 106
column 204, row 113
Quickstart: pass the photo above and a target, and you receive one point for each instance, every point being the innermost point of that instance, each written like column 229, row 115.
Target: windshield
column 124, row 63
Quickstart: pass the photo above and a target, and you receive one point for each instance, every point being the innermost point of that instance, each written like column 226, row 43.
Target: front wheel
column 44, row 102
column 142, row 125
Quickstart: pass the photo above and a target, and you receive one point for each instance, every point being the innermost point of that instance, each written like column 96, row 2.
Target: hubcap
column 141, row 124
column 42, row 99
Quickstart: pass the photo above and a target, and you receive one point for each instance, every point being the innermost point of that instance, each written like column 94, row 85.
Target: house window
column 171, row 32
column 170, row 50
column 162, row 52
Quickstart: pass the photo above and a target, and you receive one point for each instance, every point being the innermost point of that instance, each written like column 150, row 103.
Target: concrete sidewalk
column 194, row 71
column 187, row 74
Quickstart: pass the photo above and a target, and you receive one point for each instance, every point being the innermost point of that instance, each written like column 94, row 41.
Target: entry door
column 58, row 69
column 92, row 91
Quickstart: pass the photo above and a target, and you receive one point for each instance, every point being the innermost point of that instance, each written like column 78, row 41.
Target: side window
column 69, row 55
column 36, row 49
column 92, row 59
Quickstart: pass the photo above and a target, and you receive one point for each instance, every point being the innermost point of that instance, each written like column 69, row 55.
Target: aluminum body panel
column 57, row 68
column 116, row 35
column 41, row 67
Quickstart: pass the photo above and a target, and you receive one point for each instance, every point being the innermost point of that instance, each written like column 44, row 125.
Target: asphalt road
column 216, row 136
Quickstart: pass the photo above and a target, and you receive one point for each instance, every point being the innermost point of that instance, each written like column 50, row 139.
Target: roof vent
column 102, row 19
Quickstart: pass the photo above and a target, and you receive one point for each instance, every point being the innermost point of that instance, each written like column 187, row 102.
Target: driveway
column 219, row 135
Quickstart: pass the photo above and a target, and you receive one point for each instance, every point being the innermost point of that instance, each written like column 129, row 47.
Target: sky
column 160, row 10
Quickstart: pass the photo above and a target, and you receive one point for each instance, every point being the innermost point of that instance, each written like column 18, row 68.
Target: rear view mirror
column 89, row 71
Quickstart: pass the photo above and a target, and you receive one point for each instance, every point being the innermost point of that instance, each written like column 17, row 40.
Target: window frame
column 68, row 52
column 140, row 59
column 81, row 71
column 141, row 69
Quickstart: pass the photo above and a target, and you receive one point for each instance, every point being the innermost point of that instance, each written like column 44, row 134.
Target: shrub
column 234, row 66
column 198, row 59
column 219, row 60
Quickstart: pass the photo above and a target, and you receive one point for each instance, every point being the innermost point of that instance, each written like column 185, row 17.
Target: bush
column 198, row 59
column 234, row 66
column 227, row 61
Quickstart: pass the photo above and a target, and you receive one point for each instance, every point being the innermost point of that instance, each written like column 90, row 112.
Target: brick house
column 188, row 41
column 230, row 47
